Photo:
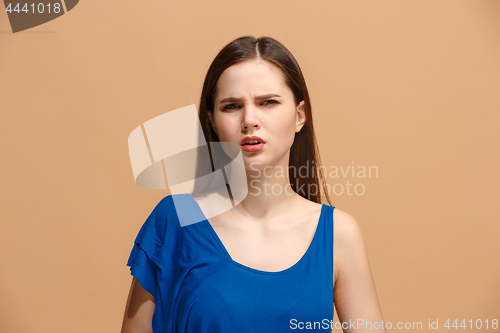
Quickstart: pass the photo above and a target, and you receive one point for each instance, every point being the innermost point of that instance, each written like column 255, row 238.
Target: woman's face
column 253, row 100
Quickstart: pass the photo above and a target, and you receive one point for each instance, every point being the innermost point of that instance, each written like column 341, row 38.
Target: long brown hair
column 304, row 151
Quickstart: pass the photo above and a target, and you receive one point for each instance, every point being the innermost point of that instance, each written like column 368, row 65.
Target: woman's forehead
column 251, row 79
column 251, row 69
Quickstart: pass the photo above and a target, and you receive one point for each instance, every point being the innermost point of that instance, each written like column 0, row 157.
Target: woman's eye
column 271, row 102
column 229, row 106
column 235, row 106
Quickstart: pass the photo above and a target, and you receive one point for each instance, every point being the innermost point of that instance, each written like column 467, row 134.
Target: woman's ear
column 300, row 116
column 211, row 121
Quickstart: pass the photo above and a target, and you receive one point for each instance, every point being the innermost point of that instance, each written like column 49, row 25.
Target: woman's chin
column 254, row 165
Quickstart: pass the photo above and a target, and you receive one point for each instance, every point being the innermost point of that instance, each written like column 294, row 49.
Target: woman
column 265, row 265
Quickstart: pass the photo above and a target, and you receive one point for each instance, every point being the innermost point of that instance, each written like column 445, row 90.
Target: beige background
column 411, row 87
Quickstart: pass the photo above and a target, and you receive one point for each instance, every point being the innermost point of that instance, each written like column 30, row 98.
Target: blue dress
column 198, row 288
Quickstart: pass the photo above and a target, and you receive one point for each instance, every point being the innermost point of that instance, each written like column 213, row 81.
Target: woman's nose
column 249, row 117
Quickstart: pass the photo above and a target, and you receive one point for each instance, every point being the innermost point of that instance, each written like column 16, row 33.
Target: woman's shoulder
column 163, row 216
column 172, row 204
column 349, row 247
column 347, row 231
column 180, row 210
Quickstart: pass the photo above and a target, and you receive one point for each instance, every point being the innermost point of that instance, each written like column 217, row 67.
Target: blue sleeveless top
column 198, row 288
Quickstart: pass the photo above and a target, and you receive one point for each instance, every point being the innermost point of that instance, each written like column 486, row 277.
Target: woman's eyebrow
column 236, row 99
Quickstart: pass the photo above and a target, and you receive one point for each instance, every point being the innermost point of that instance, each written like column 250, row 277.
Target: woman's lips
column 250, row 138
column 252, row 148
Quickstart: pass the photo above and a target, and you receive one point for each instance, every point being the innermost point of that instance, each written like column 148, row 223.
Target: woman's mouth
column 252, row 143
column 252, row 146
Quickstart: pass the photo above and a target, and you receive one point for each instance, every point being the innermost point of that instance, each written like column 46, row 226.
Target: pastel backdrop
column 411, row 87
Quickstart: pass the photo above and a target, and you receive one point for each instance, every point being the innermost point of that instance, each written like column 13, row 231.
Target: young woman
column 276, row 261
